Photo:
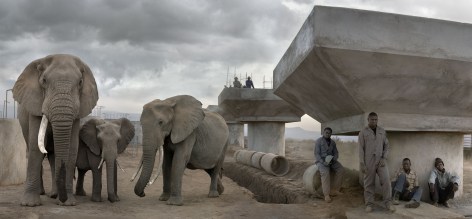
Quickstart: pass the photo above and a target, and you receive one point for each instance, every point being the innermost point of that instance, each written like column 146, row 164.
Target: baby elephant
column 102, row 141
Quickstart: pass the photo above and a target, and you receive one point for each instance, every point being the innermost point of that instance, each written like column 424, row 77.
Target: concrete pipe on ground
column 244, row 157
column 275, row 164
column 256, row 160
column 312, row 179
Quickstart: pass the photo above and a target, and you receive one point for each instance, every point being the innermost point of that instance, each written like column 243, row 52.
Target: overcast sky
column 142, row 50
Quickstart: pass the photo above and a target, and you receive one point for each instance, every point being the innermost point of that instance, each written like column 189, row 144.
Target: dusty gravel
column 235, row 202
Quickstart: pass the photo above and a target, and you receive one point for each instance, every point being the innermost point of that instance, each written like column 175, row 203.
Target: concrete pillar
column 268, row 137
column 422, row 148
column 12, row 153
column 236, row 134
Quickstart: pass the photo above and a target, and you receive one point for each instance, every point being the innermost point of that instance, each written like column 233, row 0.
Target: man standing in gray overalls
column 373, row 151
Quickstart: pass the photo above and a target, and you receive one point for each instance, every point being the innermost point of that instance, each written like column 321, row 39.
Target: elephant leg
column 33, row 179
column 166, row 168
column 43, row 192
column 33, row 174
column 216, row 187
column 179, row 163
column 52, row 162
column 79, row 187
column 97, row 184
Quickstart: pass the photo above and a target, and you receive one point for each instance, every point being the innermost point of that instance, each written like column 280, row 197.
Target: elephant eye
column 43, row 81
column 160, row 122
column 81, row 82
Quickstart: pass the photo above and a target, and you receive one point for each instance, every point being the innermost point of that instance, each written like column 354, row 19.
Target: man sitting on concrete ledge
column 326, row 158
column 405, row 186
column 442, row 184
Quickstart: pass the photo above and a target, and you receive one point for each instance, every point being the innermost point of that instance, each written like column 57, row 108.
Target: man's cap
column 438, row 161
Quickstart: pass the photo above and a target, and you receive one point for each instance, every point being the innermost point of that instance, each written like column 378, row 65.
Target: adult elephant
column 190, row 136
column 102, row 141
column 53, row 93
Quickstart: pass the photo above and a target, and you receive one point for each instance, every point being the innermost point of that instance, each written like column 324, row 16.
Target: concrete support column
column 422, row 148
column 12, row 153
column 236, row 134
column 267, row 137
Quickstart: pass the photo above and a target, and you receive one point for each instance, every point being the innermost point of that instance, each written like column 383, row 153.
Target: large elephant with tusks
column 53, row 93
column 190, row 138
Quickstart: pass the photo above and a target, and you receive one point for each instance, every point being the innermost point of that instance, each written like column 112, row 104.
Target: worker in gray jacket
column 373, row 152
column 326, row 159
column 442, row 184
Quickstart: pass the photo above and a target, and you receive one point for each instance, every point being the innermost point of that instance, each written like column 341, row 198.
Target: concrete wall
column 422, row 148
column 268, row 137
column 401, row 122
column 12, row 153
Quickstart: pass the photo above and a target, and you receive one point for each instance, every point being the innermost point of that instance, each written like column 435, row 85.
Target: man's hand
column 431, row 188
column 407, row 184
column 363, row 168
column 326, row 163
column 382, row 162
column 455, row 187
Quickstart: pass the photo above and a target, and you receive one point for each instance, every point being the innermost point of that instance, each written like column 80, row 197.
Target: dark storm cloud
column 141, row 38
column 145, row 49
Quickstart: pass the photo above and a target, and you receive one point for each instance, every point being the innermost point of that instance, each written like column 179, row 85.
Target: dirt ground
column 235, row 202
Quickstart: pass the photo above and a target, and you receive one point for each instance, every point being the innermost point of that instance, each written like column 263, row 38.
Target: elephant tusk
column 159, row 168
column 120, row 166
column 137, row 171
column 42, row 133
column 101, row 162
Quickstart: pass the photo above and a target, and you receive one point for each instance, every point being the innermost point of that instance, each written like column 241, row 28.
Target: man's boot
column 412, row 204
column 396, row 198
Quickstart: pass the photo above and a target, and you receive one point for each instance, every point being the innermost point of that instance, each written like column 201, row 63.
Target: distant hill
column 294, row 132
column 301, row 134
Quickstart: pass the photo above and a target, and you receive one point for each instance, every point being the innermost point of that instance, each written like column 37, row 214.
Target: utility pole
column 6, row 103
column 227, row 77
column 269, row 81
column 99, row 111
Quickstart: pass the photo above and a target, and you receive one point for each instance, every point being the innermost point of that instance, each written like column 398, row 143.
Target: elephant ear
column 188, row 114
column 88, row 134
column 27, row 91
column 89, row 94
column 127, row 133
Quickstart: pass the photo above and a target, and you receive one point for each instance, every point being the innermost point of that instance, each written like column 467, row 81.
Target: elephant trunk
column 62, row 141
column 109, row 155
column 111, row 180
column 149, row 157
column 62, row 112
column 152, row 140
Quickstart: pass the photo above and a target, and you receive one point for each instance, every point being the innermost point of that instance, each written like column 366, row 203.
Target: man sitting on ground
column 442, row 184
column 405, row 186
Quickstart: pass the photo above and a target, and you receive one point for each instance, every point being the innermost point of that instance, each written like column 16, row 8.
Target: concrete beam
column 346, row 62
column 402, row 123
column 256, row 105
